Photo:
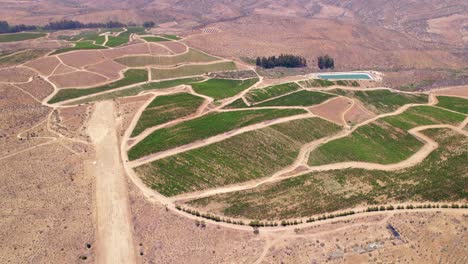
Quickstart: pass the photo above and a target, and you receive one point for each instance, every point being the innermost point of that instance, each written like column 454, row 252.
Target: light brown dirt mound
column 136, row 49
column 47, row 207
column 156, row 49
column 77, row 79
column 16, row 74
column 62, row 68
column 82, row 58
column 453, row 91
column 44, row 66
column 38, row 87
column 175, row 46
column 333, row 109
column 357, row 114
column 108, row 68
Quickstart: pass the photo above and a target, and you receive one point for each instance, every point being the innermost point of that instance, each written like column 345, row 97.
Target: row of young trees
column 283, row 60
column 67, row 24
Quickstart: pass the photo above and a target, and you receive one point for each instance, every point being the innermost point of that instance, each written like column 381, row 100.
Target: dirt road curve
column 113, row 235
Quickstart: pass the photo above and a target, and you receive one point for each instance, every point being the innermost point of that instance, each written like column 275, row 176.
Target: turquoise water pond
column 347, row 76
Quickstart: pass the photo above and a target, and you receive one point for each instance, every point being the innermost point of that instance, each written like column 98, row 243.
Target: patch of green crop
column 239, row 103
column 453, row 103
column 167, row 108
column 192, row 70
column 188, row 57
column 20, row 36
column 202, row 128
column 124, row 37
column 261, row 94
column 154, row 39
column 81, row 45
column 301, row 98
column 223, row 88
column 132, row 91
column 383, row 101
column 244, row 157
column 173, row 37
column 131, row 76
column 441, row 177
column 384, row 141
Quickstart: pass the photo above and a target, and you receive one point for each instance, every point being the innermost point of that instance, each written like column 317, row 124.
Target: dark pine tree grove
column 283, row 60
column 325, row 62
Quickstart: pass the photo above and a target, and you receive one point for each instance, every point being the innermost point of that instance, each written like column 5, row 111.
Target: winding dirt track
column 113, row 235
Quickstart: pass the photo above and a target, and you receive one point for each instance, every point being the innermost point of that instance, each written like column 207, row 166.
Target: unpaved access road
column 114, row 234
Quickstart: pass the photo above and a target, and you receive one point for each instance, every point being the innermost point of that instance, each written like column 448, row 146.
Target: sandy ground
column 77, row 79
column 461, row 91
column 114, row 227
column 38, row 88
column 108, row 68
column 82, row 58
column 16, row 74
column 175, row 47
column 62, row 69
column 45, row 65
column 333, row 109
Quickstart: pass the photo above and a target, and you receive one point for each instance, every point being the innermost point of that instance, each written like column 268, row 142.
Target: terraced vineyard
column 166, row 108
column 132, row 76
column 215, row 139
column 228, row 162
column 204, row 127
column 219, row 89
column 385, row 141
column 323, row 192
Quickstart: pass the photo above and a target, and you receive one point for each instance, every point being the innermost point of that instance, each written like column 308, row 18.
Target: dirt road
column 113, row 235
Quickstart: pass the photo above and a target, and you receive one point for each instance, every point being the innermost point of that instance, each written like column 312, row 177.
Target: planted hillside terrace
column 384, row 141
column 123, row 37
column 20, row 36
column 301, row 98
column 192, row 70
column 202, row 128
column 441, row 177
column 137, row 90
column 167, row 108
column 80, row 45
column 244, row 157
column 219, row 89
column 192, row 56
column 383, row 101
column 265, row 93
column 132, row 76
column 453, row 103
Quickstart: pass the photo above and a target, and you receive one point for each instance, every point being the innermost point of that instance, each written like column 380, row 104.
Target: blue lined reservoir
column 346, row 76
